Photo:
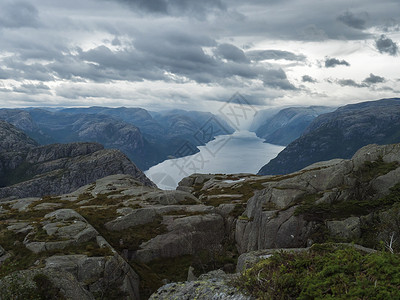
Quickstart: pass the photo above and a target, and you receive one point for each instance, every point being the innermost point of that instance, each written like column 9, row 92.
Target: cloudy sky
column 191, row 54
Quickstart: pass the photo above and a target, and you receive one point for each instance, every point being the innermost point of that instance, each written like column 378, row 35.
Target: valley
column 92, row 225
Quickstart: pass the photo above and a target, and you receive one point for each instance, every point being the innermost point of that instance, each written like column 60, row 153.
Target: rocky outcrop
column 186, row 235
column 340, row 134
column 29, row 170
column 325, row 197
column 105, row 232
column 214, row 285
column 92, row 263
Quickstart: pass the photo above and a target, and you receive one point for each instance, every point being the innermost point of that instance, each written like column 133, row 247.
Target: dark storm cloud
column 333, row 62
column 18, row 14
column 386, row 45
column 308, row 78
column 352, row 20
column 231, row 52
column 372, row 79
column 175, row 7
column 259, row 55
column 168, row 56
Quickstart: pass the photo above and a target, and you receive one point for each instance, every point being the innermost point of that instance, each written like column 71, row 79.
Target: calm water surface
column 240, row 152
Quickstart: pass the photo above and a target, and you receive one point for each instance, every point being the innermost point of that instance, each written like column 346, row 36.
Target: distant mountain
column 339, row 134
column 27, row 169
column 138, row 117
column 14, row 140
column 145, row 139
column 288, row 124
column 262, row 116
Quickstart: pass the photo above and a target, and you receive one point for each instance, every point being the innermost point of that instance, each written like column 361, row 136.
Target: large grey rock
column 186, row 235
column 212, row 286
column 135, row 218
column 349, row 228
column 98, row 274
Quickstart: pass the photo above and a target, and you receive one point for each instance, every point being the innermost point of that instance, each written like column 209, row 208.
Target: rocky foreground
column 118, row 238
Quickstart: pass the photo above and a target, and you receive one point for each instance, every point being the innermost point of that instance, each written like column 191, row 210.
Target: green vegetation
column 176, row 269
column 238, row 210
column 22, row 173
column 372, row 169
column 40, row 287
column 152, row 274
column 22, row 258
column 327, row 271
column 344, row 209
column 131, row 238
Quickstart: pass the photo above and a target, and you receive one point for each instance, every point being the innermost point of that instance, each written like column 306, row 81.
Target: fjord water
column 240, row 152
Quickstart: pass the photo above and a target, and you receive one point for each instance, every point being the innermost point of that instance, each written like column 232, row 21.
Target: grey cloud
column 259, row 55
column 372, row 79
column 231, row 52
column 352, row 20
column 175, row 7
column 386, row 45
column 18, row 14
column 333, row 62
column 367, row 82
column 277, row 79
column 154, row 58
column 19, row 69
column 32, row 89
column 308, row 78
column 349, row 82
column 116, row 42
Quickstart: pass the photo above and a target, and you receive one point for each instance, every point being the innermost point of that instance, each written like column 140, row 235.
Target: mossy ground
column 325, row 272
column 40, row 287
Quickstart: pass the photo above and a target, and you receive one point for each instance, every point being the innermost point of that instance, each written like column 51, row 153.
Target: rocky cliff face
column 288, row 124
column 340, row 134
column 14, row 140
column 342, row 200
column 29, row 170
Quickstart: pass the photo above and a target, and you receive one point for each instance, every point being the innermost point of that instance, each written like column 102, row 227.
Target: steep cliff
column 340, row 134
column 288, row 124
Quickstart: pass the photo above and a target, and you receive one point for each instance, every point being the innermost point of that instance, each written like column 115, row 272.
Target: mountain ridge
column 340, row 134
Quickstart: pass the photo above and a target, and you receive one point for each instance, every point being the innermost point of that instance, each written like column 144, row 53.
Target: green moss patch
column 40, row 287
column 324, row 272
column 131, row 238
column 344, row 209
column 372, row 169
